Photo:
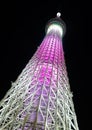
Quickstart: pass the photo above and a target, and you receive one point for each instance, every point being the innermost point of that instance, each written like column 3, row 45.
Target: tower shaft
column 40, row 99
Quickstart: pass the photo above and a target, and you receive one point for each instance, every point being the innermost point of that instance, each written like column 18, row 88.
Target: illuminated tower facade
column 40, row 98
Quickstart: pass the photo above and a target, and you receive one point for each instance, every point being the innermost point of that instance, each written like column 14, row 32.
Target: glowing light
column 56, row 28
column 58, row 14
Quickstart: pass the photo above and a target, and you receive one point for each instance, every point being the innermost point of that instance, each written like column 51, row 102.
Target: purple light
column 50, row 57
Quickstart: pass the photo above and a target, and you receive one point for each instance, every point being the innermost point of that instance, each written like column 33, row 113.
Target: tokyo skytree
column 41, row 98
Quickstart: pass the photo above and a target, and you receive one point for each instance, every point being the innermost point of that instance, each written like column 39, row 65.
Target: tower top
column 56, row 24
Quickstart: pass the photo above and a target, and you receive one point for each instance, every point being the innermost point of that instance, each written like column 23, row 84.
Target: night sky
column 22, row 29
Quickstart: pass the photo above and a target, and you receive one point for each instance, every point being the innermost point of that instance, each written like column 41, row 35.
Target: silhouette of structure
column 40, row 98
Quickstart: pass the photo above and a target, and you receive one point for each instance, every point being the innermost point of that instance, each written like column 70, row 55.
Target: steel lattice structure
column 40, row 98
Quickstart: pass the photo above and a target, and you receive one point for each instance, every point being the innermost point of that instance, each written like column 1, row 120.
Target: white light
column 58, row 14
column 55, row 28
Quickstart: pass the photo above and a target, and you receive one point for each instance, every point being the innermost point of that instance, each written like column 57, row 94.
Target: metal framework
column 40, row 98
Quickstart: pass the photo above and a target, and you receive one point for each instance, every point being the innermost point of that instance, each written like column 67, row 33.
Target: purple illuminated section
column 49, row 58
column 50, row 55
column 51, row 50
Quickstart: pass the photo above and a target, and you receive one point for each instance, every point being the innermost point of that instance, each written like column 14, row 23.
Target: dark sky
column 22, row 28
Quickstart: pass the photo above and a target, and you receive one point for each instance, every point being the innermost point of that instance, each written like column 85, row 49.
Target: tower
column 40, row 98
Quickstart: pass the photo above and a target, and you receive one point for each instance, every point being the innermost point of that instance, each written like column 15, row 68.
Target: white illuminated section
column 56, row 28
column 58, row 14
